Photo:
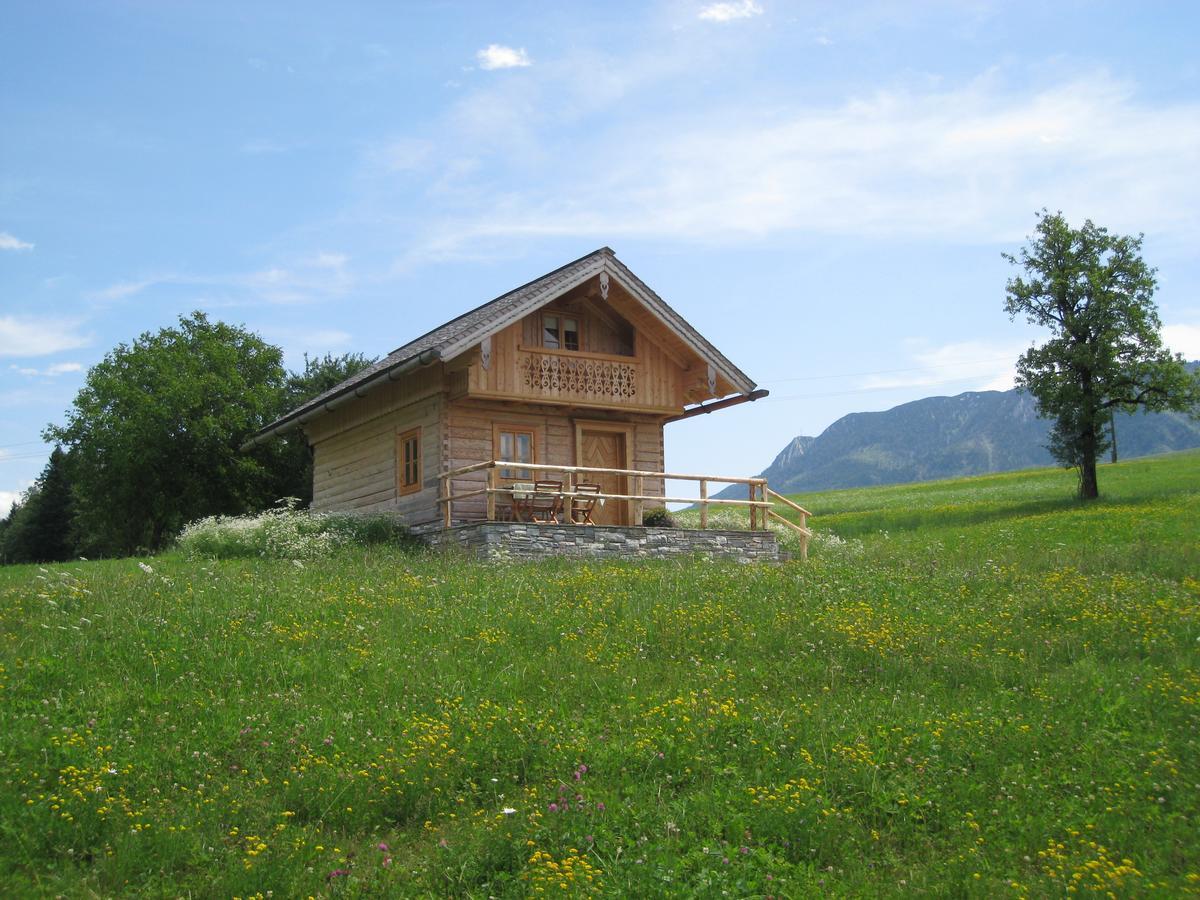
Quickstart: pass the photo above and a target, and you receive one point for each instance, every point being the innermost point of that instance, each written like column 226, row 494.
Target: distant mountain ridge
column 945, row 437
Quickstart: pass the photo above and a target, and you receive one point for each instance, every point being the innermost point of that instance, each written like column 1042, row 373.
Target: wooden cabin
column 581, row 367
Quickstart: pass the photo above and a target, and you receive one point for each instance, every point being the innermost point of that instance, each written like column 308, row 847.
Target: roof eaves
column 669, row 317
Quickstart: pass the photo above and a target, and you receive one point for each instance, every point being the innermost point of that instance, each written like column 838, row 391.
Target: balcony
column 581, row 377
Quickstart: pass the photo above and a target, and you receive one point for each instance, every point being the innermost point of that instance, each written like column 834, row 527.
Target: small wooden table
column 522, row 501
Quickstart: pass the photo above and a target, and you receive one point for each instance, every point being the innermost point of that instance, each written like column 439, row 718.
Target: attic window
column 560, row 333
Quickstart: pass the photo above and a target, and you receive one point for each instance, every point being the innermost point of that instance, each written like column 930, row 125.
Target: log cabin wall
column 470, row 435
column 355, row 461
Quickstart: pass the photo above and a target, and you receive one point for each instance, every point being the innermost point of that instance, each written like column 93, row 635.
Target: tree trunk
column 1089, row 439
column 1089, row 488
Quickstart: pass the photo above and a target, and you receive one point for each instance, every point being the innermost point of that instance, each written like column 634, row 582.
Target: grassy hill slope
column 976, row 688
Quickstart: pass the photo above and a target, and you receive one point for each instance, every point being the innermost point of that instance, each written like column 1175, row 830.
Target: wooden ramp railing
column 801, row 529
column 759, row 501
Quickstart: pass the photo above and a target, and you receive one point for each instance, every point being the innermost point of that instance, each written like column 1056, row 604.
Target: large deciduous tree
column 154, row 433
column 1094, row 292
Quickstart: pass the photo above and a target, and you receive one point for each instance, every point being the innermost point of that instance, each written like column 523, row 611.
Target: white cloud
column 123, row 289
column 323, row 260
column 264, row 146
column 9, row 242
column 498, row 56
column 727, row 12
column 7, row 499
column 24, row 336
column 320, row 276
column 966, row 164
column 49, row 371
column 972, row 365
column 1183, row 339
column 401, row 154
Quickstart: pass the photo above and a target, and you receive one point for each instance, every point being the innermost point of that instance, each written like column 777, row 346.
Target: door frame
column 626, row 429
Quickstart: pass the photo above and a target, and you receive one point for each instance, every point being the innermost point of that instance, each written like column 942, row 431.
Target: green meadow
column 974, row 688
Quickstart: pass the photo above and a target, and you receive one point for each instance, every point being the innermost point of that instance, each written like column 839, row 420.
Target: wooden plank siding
column 355, row 466
column 660, row 387
column 470, row 431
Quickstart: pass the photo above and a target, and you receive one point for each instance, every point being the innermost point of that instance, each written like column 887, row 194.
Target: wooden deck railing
column 759, row 503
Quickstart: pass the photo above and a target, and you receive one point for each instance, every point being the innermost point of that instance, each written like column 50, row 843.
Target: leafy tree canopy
column 155, row 431
column 1094, row 292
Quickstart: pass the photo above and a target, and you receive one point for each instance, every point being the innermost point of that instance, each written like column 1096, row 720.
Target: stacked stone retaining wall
column 518, row 540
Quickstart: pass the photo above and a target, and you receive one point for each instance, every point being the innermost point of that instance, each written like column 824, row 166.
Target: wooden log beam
column 705, row 408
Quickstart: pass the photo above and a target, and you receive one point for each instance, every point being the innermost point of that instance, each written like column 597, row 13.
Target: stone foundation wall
column 510, row 540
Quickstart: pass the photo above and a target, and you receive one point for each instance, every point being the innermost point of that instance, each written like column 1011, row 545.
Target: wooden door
column 605, row 449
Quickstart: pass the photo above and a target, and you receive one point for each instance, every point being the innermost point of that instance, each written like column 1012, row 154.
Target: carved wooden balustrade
column 578, row 377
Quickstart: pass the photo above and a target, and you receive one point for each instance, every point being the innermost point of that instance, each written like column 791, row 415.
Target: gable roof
column 464, row 332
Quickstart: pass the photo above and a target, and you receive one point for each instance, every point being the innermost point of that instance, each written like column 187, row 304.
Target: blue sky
column 823, row 189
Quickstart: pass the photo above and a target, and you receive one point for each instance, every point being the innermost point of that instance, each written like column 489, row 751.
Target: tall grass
column 289, row 533
column 955, row 716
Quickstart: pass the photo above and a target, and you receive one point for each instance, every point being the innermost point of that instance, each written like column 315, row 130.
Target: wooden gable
column 609, row 352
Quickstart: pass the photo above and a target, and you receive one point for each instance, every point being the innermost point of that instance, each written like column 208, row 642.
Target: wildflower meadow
column 977, row 688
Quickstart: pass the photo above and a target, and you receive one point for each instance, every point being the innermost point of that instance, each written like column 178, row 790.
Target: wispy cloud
column 400, row 154
column 123, row 289
column 49, row 371
column 498, row 56
column 728, row 12
column 973, row 365
column 27, row 336
column 264, row 147
column 965, row 164
column 10, row 242
column 323, row 275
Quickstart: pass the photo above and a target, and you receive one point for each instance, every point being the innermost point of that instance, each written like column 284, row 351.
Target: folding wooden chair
column 547, row 503
column 582, row 506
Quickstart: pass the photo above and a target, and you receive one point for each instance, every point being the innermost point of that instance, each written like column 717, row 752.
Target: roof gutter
column 706, row 408
column 295, row 419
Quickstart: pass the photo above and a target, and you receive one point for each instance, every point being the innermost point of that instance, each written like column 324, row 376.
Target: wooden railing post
column 766, row 512
column 491, row 494
column 703, row 503
column 752, row 491
column 447, row 517
column 639, row 484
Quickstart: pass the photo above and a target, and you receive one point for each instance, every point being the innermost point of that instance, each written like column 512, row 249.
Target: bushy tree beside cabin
column 154, row 434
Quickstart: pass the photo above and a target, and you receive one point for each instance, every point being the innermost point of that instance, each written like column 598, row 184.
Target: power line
column 873, row 390
column 886, row 371
column 17, row 456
